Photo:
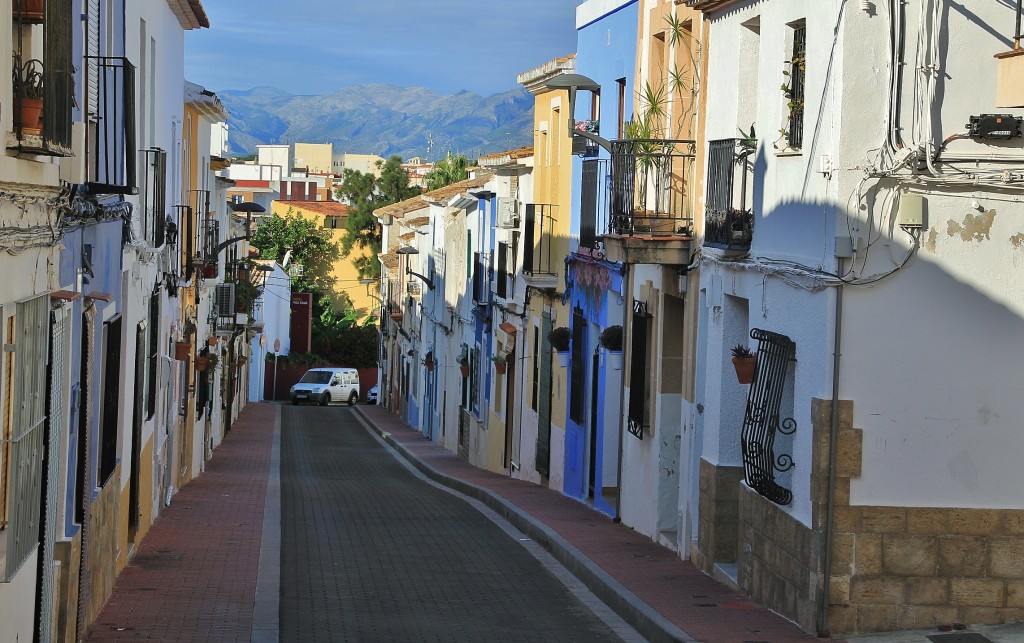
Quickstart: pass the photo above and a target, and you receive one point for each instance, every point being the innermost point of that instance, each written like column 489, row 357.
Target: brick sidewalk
column 673, row 588
column 193, row 577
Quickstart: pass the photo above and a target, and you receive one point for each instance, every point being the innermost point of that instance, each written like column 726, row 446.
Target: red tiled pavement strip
column 696, row 603
column 193, row 577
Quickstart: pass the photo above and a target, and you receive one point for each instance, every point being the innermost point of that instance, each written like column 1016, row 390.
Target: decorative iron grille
column 728, row 217
column 153, row 212
column 761, row 422
column 795, row 133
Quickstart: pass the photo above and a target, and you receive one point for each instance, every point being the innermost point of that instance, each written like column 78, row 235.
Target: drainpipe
column 628, row 280
column 833, row 435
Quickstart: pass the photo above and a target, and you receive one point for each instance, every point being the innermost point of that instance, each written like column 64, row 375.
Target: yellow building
column 314, row 158
column 331, row 215
column 546, row 222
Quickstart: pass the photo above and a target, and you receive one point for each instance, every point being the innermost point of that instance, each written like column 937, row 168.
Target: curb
column 641, row 616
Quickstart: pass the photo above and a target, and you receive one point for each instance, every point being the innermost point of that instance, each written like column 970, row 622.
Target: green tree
column 448, row 170
column 366, row 193
column 310, row 245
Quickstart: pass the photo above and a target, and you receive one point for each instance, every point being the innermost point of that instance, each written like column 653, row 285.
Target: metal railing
column 153, row 213
column 538, row 241
column 728, row 217
column 53, row 81
column 1017, row 35
column 651, row 187
column 111, row 145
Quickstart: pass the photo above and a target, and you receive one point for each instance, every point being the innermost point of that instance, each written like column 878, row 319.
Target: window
column 501, row 276
column 24, row 420
column 638, row 379
column 793, row 89
column 536, row 368
column 152, row 354
column 111, row 396
column 577, row 366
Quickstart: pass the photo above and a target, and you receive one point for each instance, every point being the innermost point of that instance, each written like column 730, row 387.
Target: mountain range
column 381, row 119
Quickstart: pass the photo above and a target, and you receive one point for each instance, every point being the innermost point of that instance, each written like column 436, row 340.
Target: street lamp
column 573, row 82
column 409, row 250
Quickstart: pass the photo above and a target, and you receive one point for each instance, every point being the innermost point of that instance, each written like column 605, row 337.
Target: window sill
column 789, row 152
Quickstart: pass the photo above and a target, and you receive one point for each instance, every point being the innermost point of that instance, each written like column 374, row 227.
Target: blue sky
column 318, row 46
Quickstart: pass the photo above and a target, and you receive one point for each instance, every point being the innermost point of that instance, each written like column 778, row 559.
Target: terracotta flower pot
column 182, row 350
column 500, row 368
column 429, row 365
column 31, row 10
column 745, row 367
column 212, row 341
column 464, row 370
column 31, row 113
column 202, row 363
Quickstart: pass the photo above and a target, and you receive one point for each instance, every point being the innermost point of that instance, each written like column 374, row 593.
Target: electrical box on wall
column 911, row 211
column 994, row 126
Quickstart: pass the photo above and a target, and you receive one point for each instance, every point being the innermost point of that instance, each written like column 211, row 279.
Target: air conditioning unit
column 508, row 212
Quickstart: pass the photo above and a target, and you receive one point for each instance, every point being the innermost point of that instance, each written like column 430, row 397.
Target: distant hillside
column 381, row 119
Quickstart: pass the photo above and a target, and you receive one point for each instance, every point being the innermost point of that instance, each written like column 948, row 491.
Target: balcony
column 540, row 266
column 728, row 213
column 43, row 90
column 110, row 144
column 650, row 201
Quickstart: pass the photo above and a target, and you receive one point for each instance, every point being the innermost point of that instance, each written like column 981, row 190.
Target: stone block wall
column 900, row 568
column 718, row 516
column 779, row 560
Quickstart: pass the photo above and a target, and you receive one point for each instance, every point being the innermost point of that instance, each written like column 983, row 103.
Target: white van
column 326, row 385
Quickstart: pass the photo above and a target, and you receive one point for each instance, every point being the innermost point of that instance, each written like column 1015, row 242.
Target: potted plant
column 500, row 363
column 611, row 338
column 202, row 363
column 28, row 10
column 560, row 338
column 209, row 270
column 182, row 350
column 428, row 361
column 464, row 366
column 745, row 363
column 28, row 90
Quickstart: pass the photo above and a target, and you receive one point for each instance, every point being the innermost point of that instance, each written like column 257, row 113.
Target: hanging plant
column 611, row 338
column 559, row 339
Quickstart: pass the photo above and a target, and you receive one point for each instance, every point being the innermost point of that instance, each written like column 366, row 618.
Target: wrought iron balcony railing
column 153, row 210
column 43, row 90
column 110, row 145
column 651, row 185
column 538, row 240
column 728, row 217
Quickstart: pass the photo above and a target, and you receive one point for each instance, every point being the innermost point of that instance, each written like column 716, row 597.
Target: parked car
column 326, row 385
column 371, row 395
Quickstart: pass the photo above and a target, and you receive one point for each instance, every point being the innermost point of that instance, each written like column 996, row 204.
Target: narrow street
column 370, row 552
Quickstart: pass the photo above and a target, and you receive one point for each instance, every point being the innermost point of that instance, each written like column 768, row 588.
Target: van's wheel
column 353, row 398
column 325, row 399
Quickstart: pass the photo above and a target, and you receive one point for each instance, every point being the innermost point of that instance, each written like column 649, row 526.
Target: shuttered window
column 111, row 394
column 528, row 237
column 577, row 366
column 152, row 354
column 543, row 461
column 501, row 277
column 25, row 370
column 638, row 371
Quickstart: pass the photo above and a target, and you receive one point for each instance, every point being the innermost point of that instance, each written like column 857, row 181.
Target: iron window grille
column 761, row 420
column 110, row 145
column 728, row 217
column 795, row 95
column 154, row 197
